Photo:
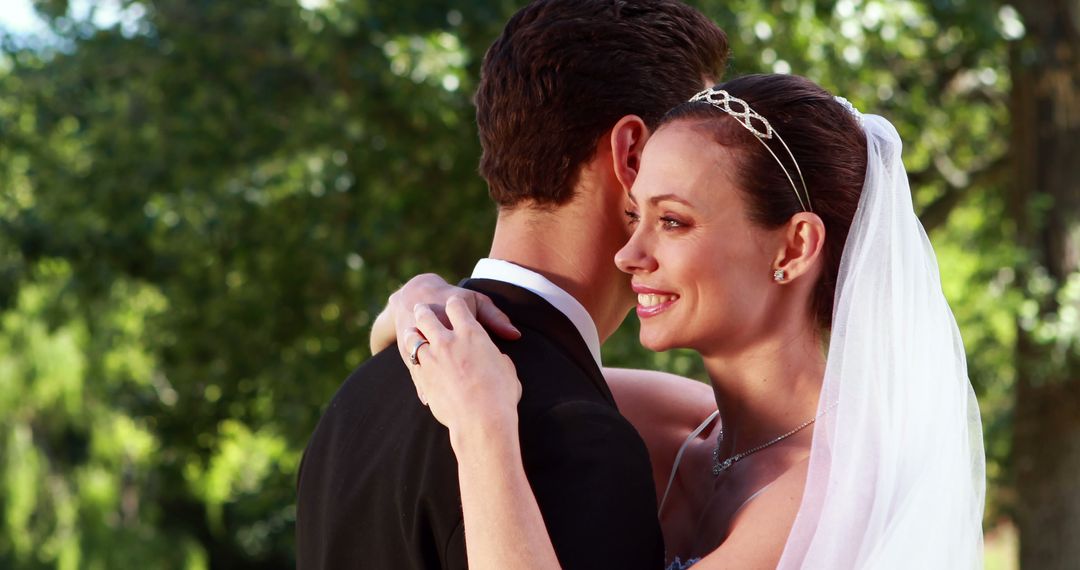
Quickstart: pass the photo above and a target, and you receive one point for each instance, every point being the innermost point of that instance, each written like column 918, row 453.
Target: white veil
column 897, row 472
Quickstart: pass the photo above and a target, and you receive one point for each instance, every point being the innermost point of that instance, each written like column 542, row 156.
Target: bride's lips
column 652, row 302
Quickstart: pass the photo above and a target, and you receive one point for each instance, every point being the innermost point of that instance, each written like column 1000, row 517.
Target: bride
column 773, row 233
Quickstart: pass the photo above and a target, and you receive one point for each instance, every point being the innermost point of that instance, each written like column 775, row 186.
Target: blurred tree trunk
column 1045, row 204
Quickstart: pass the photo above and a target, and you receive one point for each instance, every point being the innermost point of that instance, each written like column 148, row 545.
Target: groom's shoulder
column 380, row 383
column 374, row 412
column 561, row 393
column 549, row 374
column 364, row 383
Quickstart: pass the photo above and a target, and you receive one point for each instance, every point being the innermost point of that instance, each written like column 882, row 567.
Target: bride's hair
column 825, row 139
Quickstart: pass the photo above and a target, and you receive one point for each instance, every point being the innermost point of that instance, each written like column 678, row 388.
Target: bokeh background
column 204, row 203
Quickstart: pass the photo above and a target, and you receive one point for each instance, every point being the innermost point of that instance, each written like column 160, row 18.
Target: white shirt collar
column 527, row 279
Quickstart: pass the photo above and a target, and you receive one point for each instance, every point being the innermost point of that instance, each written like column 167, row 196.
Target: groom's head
column 568, row 95
column 564, row 72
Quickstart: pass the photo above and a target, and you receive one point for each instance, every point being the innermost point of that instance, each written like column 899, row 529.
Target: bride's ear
column 803, row 241
column 628, row 138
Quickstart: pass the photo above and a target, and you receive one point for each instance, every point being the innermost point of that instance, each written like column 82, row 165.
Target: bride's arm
column 430, row 288
column 503, row 524
column 473, row 390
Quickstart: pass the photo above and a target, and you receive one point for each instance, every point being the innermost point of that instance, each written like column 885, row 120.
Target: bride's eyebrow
column 662, row 198
column 670, row 198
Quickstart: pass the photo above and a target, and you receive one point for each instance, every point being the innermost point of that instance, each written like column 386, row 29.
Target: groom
column 568, row 94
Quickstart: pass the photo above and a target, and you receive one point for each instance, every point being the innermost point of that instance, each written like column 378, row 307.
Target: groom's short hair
column 563, row 72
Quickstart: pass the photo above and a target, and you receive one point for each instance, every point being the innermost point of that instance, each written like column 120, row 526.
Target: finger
column 461, row 318
column 440, row 313
column 405, row 322
column 417, row 376
column 407, row 342
column 429, row 324
column 404, row 325
column 423, row 288
column 494, row 319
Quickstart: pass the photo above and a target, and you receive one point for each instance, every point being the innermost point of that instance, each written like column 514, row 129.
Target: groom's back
column 378, row 484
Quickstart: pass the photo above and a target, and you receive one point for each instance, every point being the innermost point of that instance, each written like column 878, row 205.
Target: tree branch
column 957, row 185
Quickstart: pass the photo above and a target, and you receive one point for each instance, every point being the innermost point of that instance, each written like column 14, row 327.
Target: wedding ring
column 416, row 347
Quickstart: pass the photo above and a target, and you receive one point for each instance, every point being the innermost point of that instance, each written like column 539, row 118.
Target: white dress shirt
column 527, row 279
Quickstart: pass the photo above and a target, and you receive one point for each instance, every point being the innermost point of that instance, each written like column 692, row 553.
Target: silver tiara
column 761, row 128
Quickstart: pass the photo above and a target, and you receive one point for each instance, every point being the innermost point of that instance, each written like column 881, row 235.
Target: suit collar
column 514, row 274
column 528, row 310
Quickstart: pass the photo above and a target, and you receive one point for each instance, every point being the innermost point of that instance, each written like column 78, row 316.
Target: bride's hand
column 469, row 385
column 396, row 320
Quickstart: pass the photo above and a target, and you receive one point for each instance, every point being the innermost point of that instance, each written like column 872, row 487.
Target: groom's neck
column 569, row 248
column 544, row 243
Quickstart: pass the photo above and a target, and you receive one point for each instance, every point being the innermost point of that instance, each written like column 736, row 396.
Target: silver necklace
column 719, row 467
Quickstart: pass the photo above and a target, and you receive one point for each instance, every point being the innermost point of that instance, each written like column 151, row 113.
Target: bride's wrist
column 485, row 432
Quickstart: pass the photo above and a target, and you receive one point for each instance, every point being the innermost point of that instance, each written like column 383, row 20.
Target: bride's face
column 701, row 269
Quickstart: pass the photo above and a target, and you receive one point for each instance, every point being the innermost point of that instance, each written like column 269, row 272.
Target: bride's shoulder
column 663, row 408
column 660, row 397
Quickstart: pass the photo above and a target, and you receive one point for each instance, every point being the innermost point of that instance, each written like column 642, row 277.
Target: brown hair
column 825, row 139
column 563, row 72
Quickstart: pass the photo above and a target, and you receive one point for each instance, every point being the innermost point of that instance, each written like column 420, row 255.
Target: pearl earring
column 778, row 275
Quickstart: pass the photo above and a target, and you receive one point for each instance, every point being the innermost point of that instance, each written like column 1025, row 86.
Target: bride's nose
column 634, row 257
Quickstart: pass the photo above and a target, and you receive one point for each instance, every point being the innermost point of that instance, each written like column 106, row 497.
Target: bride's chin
column 654, row 343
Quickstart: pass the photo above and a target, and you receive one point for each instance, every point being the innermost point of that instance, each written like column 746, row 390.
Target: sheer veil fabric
column 897, row 472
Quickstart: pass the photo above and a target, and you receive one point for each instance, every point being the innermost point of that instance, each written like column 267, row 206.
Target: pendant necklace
column 719, row 467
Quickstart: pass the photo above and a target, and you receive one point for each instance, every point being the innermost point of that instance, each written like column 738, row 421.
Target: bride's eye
column 670, row 223
column 632, row 217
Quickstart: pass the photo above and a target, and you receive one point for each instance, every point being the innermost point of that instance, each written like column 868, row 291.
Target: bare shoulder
column 761, row 527
column 663, row 408
column 660, row 395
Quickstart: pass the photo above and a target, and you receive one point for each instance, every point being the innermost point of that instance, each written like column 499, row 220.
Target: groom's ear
column 628, row 138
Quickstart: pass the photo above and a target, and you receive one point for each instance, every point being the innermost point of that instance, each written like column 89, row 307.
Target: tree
column 1045, row 201
column 202, row 207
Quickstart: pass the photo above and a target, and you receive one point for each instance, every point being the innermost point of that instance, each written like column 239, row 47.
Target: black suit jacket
column 378, row 484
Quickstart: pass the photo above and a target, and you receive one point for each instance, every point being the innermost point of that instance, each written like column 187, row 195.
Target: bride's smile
column 652, row 302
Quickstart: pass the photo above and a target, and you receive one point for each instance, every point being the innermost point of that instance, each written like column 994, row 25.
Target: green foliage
column 204, row 206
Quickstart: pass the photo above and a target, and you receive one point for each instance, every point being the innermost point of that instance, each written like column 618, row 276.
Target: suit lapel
column 528, row 310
